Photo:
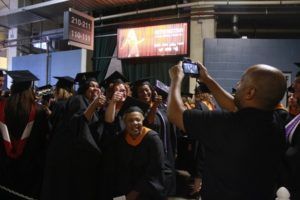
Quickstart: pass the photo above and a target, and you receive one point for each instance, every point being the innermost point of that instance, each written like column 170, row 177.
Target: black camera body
column 190, row 68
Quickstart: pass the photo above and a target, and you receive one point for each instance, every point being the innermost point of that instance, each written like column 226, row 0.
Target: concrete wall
column 226, row 59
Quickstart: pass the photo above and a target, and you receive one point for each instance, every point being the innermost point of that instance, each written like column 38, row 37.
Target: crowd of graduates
column 108, row 139
column 62, row 144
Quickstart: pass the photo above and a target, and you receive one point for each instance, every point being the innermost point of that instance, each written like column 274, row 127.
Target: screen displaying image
column 149, row 41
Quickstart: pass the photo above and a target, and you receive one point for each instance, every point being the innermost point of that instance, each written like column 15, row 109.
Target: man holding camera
column 243, row 148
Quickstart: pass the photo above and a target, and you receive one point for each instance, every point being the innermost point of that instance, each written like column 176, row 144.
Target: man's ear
column 250, row 93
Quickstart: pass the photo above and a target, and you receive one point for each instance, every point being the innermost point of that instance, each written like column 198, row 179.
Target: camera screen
column 190, row 68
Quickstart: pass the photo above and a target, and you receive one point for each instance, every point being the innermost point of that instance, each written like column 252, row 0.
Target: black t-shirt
column 243, row 152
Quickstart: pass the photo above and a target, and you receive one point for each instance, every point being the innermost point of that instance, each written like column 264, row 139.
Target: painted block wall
column 226, row 59
column 63, row 63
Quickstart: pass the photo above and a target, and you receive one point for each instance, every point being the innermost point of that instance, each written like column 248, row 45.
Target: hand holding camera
column 190, row 68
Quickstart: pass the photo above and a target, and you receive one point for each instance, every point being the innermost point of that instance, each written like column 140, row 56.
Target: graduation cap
column 133, row 102
column 65, row 82
column 115, row 77
column 143, row 81
column 291, row 89
column 22, row 79
column 202, row 88
column 136, row 84
column 45, row 87
column 161, row 88
column 45, row 92
column 21, row 76
column 81, row 78
column 1, row 72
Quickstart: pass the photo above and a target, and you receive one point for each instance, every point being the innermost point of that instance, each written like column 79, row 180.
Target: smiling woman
column 138, row 159
column 133, row 118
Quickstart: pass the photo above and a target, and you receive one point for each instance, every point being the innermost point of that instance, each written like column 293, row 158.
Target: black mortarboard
column 22, row 80
column 161, row 88
column 136, row 84
column 1, row 73
column 297, row 64
column 130, row 102
column 19, row 76
column 85, row 76
column 202, row 88
column 65, row 82
column 45, row 87
column 291, row 89
column 115, row 77
column 143, row 81
column 45, row 92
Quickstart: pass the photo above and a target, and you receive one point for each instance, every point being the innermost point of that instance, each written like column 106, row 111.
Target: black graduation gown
column 74, row 162
column 167, row 134
column 24, row 174
column 75, row 104
column 139, row 168
column 56, row 119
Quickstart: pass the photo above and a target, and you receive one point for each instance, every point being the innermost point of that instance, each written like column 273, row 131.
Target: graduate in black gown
column 87, row 91
column 138, row 159
column 24, row 131
column 64, row 90
column 74, row 162
column 117, row 90
column 157, row 120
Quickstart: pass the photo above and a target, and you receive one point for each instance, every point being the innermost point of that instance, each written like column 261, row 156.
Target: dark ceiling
column 259, row 21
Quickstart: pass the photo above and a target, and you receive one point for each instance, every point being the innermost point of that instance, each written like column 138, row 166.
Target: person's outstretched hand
column 203, row 72
column 176, row 72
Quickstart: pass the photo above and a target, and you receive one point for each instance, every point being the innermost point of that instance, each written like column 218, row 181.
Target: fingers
column 179, row 63
column 117, row 96
column 176, row 72
column 99, row 101
column 202, row 71
column 102, row 100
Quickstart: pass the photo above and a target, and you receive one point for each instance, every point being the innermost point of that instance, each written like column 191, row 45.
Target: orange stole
column 136, row 141
column 280, row 106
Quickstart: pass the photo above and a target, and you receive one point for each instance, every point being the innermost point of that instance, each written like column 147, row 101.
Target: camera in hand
column 190, row 68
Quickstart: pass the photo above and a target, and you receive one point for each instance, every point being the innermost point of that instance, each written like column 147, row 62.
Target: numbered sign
column 79, row 29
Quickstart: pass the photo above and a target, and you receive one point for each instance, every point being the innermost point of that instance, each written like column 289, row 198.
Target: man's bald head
column 268, row 83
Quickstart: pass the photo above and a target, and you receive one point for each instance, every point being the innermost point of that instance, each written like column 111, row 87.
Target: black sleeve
column 74, row 105
column 152, row 182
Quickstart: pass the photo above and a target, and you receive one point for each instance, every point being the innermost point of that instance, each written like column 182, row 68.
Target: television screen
column 150, row 41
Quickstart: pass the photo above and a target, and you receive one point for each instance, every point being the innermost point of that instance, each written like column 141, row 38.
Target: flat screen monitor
column 152, row 41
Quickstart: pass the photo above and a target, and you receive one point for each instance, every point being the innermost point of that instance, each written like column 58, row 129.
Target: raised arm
column 98, row 102
column 110, row 112
column 175, row 106
column 223, row 98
